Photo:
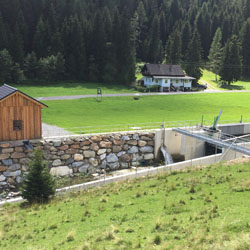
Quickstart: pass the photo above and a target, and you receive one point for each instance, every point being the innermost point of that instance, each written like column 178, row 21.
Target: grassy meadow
column 125, row 110
column 209, row 77
column 206, row 208
column 70, row 88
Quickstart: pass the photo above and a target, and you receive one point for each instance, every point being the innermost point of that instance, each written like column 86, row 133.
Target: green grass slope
column 209, row 77
column 124, row 110
column 207, row 208
column 68, row 89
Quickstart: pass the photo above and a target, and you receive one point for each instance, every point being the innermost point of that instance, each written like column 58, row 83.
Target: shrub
column 38, row 186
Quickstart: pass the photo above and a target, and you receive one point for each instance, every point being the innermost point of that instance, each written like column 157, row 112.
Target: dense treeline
column 101, row 40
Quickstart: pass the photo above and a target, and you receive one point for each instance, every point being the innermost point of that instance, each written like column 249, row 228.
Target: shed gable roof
column 162, row 70
column 6, row 91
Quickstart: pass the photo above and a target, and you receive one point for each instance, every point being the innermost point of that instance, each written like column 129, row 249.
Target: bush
column 38, row 185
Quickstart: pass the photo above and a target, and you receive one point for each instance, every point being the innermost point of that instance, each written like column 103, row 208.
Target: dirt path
column 209, row 86
column 51, row 131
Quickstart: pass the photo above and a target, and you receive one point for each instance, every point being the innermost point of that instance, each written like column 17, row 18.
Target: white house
column 167, row 77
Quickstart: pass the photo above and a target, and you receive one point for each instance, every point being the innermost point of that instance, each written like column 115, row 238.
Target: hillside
column 206, row 208
column 101, row 41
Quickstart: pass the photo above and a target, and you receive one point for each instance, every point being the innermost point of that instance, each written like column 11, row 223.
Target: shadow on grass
column 229, row 87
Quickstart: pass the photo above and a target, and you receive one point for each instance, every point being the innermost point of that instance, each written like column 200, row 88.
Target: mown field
column 207, row 208
column 124, row 110
column 70, row 88
column 209, row 77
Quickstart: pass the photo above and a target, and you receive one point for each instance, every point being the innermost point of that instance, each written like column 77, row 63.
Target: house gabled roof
column 6, row 90
column 162, row 70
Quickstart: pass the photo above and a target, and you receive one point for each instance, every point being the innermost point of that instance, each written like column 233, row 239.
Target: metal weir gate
column 240, row 144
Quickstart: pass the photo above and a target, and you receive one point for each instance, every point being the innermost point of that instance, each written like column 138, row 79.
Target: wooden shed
column 20, row 115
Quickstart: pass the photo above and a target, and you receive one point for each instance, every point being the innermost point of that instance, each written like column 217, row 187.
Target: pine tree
column 6, row 64
column 245, row 38
column 31, row 66
column 215, row 53
column 38, row 185
column 231, row 65
column 173, row 48
column 192, row 65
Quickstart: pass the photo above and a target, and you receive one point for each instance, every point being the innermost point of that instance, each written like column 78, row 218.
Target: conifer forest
column 103, row 40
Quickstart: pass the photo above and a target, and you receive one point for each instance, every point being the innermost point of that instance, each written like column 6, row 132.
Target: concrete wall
column 235, row 129
column 178, row 144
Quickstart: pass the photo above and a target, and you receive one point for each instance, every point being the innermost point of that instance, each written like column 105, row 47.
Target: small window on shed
column 17, row 125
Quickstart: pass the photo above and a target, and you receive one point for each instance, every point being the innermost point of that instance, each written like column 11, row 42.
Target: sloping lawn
column 124, row 110
column 209, row 76
column 203, row 209
column 68, row 88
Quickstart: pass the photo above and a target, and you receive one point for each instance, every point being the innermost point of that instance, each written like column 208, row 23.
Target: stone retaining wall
column 65, row 156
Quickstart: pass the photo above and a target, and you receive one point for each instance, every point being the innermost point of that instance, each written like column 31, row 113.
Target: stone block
column 78, row 157
column 19, row 179
column 151, row 143
column 56, row 163
column 133, row 150
column 4, row 156
column 93, row 162
column 61, row 171
column 116, row 149
column 118, row 142
column 64, row 147
column 17, row 155
column 147, row 149
column 19, row 149
column 24, row 161
column 114, row 165
column 142, row 143
column 57, row 143
column 14, row 167
column 132, row 142
column 7, row 150
column 94, row 146
column 84, row 169
column 96, row 138
column 77, row 164
column 103, row 156
column 145, row 138
column 125, row 138
column 136, row 137
column 5, row 145
column 16, row 144
column 112, row 158
column 65, row 157
column 12, row 174
column 125, row 158
column 71, row 151
column 7, row 162
column 2, row 178
column 85, row 143
column 106, row 144
column 101, row 151
column 148, row 157
column 75, row 146
column 124, row 165
column 89, row 154
column 121, row 153
column 69, row 161
column 3, row 168
column 125, row 147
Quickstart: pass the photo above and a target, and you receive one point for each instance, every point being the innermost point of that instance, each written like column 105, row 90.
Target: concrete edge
column 208, row 160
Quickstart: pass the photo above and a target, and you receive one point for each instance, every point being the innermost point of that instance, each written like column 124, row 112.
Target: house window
column 177, row 81
column 166, row 81
column 156, row 80
column 17, row 125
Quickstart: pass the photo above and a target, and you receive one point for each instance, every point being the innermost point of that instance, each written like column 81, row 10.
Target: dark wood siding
column 19, row 107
